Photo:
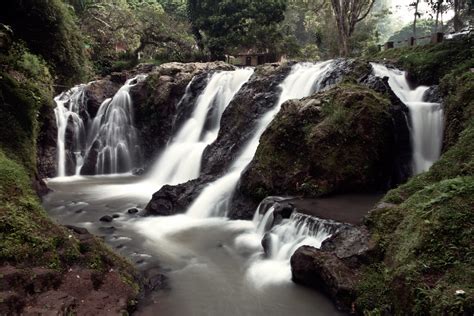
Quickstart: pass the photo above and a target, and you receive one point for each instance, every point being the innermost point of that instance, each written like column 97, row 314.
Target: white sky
column 405, row 13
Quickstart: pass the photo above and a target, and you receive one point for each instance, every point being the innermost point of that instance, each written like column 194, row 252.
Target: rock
column 11, row 303
column 90, row 160
column 107, row 230
column 321, row 270
column 106, row 218
column 46, row 153
column 352, row 245
column 171, row 200
column 138, row 171
column 98, row 91
column 303, row 149
column 433, row 95
column 115, row 216
column 133, row 210
column 267, row 243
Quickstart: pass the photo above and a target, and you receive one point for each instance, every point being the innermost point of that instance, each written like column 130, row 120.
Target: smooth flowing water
column 181, row 160
column 110, row 135
column 426, row 118
column 215, row 266
column 303, row 80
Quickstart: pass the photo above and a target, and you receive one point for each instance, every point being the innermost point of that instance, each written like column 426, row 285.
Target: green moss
column 304, row 150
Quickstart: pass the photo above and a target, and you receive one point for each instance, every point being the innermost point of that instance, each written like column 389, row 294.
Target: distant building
column 253, row 57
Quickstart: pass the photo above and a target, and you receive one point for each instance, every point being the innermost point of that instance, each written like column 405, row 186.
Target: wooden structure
column 253, row 57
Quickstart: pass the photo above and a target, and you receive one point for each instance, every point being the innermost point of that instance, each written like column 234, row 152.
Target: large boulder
column 304, row 152
column 322, row 270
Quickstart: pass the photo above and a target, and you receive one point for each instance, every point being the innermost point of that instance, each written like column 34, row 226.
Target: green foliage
column 425, row 236
column 48, row 28
column 223, row 26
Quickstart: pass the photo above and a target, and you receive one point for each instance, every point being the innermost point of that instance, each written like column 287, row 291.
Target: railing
column 435, row 38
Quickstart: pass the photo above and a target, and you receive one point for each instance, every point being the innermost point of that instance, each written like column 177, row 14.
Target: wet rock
column 138, row 171
column 171, row 200
column 352, row 245
column 433, row 95
column 98, row 91
column 107, row 230
column 90, row 160
column 322, row 270
column 115, row 216
column 267, row 243
column 46, row 143
column 106, row 218
column 133, row 210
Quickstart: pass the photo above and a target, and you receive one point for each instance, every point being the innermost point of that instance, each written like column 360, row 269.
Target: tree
column 221, row 26
column 348, row 13
column 417, row 14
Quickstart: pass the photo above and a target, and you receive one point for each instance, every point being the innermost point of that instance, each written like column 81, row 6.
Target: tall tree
column 348, row 14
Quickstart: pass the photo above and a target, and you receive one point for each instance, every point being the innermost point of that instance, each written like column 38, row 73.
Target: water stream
column 426, row 118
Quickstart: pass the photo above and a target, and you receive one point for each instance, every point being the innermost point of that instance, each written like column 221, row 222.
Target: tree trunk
column 416, row 17
column 438, row 9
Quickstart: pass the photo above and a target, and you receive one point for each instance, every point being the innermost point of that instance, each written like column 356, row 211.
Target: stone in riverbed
column 322, row 270
column 106, row 218
column 133, row 210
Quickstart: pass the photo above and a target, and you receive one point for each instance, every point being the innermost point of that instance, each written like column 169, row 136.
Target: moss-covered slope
column 425, row 234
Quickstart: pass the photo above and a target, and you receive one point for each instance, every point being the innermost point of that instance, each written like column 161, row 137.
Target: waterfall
column 426, row 118
column 303, row 80
column 68, row 106
column 111, row 138
column 280, row 242
column 181, row 160
column 113, row 135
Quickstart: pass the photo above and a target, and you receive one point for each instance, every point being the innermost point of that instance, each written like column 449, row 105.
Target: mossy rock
column 335, row 141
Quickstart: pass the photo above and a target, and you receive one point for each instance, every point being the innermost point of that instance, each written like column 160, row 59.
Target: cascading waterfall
column 68, row 106
column 111, row 134
column 303, row 80
column 281, row 241
column 426, row 118
column 181, row 160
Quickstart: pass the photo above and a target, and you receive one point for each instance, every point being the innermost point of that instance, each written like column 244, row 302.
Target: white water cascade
column 68, row 106
column 181, row 160
column 303, row 80
column 426, row 118
column 111, row 134
column 282, row 240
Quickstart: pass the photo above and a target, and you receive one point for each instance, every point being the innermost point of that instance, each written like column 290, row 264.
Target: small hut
column 254, row 57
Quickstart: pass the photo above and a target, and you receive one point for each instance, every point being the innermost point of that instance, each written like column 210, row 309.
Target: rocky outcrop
column 304, row 150
column 156, row 101
column 46, row 153
column 323, row 271
column 334, row 268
